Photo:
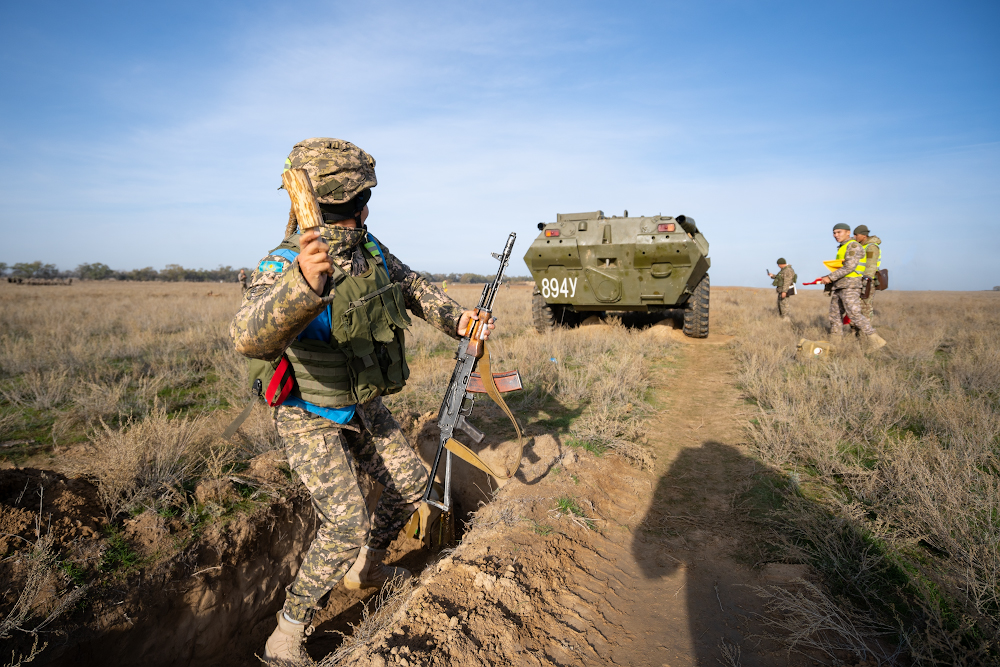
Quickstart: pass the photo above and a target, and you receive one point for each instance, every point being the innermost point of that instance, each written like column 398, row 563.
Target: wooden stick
column 303, row 197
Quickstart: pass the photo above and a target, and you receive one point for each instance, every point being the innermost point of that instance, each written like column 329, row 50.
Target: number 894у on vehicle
column 588, row 264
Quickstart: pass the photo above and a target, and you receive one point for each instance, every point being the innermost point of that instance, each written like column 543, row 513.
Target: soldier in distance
column 334, row 302
column 846, row 287
column 784, row 283
column 873, row 261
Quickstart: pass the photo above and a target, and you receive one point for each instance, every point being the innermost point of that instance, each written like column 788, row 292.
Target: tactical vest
column 366, row 355
column 859, row 270
column 878, row 263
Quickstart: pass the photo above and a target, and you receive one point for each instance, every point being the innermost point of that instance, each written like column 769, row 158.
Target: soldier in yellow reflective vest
column 846, row 286
column 873, row 262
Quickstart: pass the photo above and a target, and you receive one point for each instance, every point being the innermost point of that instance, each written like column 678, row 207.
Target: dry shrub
column 39, row 390
column 377, row 614
column 902, row 445
column 147, row 460
column 807, row 619
column 40, row 601
column 9, row 424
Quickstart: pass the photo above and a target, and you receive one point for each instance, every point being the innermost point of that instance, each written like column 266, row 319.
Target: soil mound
column 34, row 502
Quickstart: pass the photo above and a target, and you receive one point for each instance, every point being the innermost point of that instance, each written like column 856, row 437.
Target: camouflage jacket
column 785, row 279
column 872, row 256
column 854, row 253
column 279, row 304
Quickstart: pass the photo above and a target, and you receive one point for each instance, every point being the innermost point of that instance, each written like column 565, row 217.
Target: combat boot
column 875, row 341
column 285, row 643
column 369, row 572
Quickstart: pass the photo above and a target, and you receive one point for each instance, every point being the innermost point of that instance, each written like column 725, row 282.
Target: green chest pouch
column 366, row 355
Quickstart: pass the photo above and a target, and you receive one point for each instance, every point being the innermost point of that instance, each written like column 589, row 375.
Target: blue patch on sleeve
column 269, row 265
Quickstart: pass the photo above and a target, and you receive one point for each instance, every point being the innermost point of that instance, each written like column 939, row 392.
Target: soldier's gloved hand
column 468, row 320
column 314, row 262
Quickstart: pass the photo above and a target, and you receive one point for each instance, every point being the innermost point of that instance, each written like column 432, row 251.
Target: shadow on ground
column 711, row 530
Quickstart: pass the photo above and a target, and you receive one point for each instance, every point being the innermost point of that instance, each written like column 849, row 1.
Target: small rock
column 377, row 661
column 219, row 491
column 485, row 581
column 453, row 623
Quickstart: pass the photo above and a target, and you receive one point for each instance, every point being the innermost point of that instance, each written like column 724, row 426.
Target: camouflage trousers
column 784, row 306
column 868, row 308
column 847, row 301
column 328, row 458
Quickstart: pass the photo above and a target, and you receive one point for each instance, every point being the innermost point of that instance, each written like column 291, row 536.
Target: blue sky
column 138, row 135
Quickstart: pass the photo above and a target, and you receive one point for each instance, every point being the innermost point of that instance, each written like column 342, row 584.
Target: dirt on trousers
column 589, row 561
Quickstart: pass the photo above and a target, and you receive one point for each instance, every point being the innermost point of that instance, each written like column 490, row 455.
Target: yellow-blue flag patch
column 271, row 265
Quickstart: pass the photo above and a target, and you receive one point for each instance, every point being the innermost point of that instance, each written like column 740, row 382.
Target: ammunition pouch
column 866, row 291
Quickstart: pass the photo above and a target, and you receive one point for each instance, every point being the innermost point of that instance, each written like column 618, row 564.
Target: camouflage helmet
column 338, row 169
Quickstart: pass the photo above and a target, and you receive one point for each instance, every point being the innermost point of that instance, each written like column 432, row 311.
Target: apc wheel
column 547, row 317
column 696, row 311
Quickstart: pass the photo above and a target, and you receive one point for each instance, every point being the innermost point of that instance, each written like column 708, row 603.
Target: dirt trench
column 643, row 568
column 192, row 599
column 211, row 603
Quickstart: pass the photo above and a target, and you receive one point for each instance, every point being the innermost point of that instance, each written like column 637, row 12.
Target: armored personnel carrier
column 585, row 264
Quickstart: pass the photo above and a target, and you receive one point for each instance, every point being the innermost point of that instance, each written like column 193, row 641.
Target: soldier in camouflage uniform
column 846, row 287
column 784, row 283
column 242, row 279
column 873, row 256
column 286, row 301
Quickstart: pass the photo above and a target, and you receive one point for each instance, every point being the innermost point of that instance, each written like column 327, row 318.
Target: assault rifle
column 459, row 397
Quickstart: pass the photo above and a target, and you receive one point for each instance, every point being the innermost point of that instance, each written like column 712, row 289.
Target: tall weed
column 147, row 461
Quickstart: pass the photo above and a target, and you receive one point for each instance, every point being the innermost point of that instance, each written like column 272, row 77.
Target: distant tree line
column 466, row 277
column 177, row 273
column 99, row 271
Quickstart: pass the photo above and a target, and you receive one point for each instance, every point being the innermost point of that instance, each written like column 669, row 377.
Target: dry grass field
column 130, row 386
column 892, row 461
column 881, row 470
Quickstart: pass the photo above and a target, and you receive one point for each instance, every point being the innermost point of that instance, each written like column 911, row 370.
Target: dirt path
column 656, row 572
column 693, row 552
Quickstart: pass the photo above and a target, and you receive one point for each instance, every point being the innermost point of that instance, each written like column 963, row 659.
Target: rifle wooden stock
column 304, row 204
